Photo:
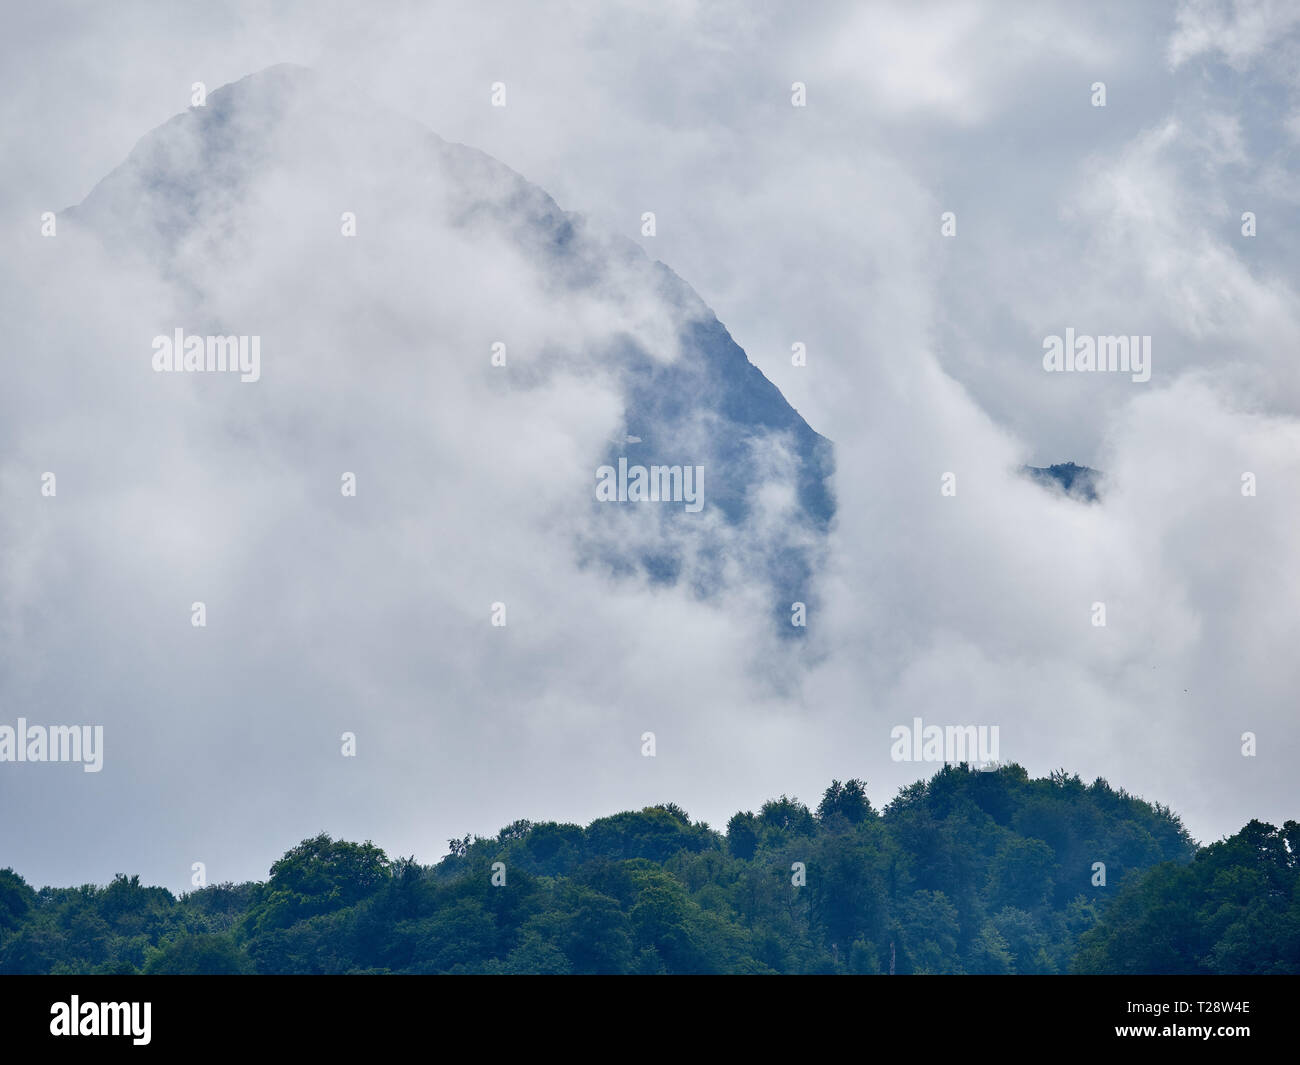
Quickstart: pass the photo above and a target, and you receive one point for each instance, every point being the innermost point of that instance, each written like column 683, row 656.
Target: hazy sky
column 818, row 225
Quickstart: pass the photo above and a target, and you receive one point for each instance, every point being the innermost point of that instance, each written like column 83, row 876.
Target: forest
column 968, row 872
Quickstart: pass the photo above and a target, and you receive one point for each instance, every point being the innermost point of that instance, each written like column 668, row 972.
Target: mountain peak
column 225, row 198
column 1078, row 482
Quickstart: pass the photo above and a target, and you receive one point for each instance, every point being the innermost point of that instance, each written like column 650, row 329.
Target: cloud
column 1240, row 31
column 819, row 226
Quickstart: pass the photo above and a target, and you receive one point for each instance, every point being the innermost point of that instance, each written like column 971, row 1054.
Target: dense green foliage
column 1235, row 909
column 969, row 872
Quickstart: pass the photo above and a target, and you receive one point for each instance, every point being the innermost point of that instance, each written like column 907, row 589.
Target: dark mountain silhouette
column 1080, row 482
column 215, row 196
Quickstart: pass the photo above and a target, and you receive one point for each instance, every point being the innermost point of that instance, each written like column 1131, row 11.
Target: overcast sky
column 818, row 225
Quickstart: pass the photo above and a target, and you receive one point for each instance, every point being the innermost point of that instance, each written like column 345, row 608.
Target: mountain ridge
column 180, row 199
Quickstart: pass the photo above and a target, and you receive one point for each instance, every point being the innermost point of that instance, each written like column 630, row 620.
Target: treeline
column 969, row 872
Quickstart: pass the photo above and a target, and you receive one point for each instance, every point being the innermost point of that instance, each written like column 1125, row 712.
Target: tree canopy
column 968, row 872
